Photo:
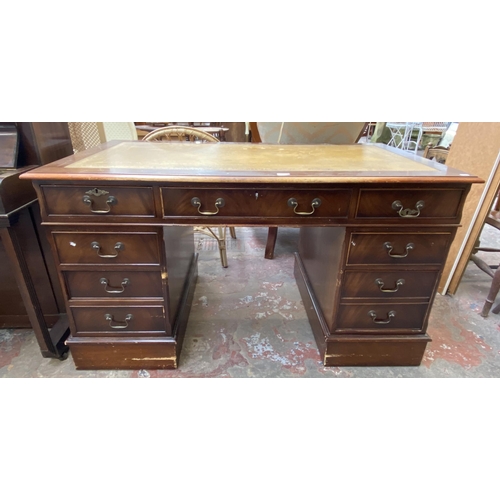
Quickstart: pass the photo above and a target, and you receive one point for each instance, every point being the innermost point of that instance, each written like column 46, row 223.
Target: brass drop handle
column 389, row 247
column 293, row 203
column 110, row 201
column 407, row 212
column 380, row 284
column 373, row 315
column 119, row 325
column 125, row 282
column 118, row 246
column 219, row 203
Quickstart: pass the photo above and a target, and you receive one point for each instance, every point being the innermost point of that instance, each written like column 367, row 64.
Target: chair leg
column 271, row 242
column 492, row 295
column 232, row 232
column 221, row 240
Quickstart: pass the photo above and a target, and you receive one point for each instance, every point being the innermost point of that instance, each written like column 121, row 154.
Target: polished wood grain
column 387, row 284
column 113, row 284
column 255, row 203
column 144, row 320
column 110, row 249
column 398, row 249
column 437, row 203
column 392, row 316
column 96, row 202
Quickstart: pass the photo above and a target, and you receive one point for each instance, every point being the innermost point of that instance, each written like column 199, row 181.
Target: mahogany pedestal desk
column 376, row 225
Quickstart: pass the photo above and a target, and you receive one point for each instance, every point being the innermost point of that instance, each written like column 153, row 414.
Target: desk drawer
column 388, row 284
column 381, row 317
column 205, row 202
column 398, row 248
column 118, row 320
column 409, row 204
column 106, row 248
column 98, row 202
column 113, row 284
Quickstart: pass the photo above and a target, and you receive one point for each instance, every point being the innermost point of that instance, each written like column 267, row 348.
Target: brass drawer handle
column 389, row 247
column 219, row 203
column 380, row 284
column 408, row 212
column 119, row 324
column 292, row 203
column 110, row 201
column 125, row 282
column 373, row 315
column 118, row 246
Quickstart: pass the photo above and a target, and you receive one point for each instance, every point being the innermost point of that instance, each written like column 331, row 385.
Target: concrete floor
column 248, row 321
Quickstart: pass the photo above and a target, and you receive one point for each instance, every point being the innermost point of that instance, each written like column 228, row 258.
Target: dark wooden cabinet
column 376, row 227
column 30, row 294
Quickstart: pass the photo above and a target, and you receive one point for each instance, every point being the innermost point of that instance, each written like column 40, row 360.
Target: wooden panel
column 358, row 285
column 118, row 284
column 76, row 248
column 375, row 350
column 475, row 150
column 256, row 202
column 179, row 252
column 115, row 201
column 43, row 142
column 123, row 354
column 320, row 251
column 437, row 203
column 406, row 317
column 9, row 142
column 92, row 321
column 407, row 248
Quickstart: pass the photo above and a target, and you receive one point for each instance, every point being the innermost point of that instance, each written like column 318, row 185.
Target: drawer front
column 387, row 284
column 382, row 317
column 398, row 248
column 94, row 201
column 254, row 202
column 409, row 204
column 118, row 321
column 106, row 248
column 113, row 284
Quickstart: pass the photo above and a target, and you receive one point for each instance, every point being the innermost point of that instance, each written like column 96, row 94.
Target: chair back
column 85, row 135
column 436, row 153
column 310, row 132
column 179, row 134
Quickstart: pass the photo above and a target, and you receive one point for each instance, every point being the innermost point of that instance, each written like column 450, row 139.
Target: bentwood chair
column 177, row 133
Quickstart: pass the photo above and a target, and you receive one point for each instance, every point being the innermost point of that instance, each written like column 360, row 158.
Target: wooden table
column 376, row 225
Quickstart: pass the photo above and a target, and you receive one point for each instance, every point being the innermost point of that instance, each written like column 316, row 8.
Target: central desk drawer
column 291, row 203
column 118, row 320
column 106, row 248
column 98, row 201
column 398, row 248
column 113, row 284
